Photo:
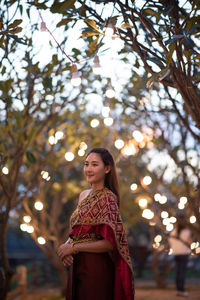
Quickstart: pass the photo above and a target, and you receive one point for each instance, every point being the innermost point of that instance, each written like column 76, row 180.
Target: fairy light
column 158, row 238
column 193, row 219
column 164, row 214
column 172, row 219
column 41, row 240
column 110, row 93
column 59, row 135
column 97, row 67
column 152, row 223
column 109, row 30
column 147, row 214
column 45, row 175
column 30, row 229
column 169, row 227
column 129, row 149
column 83, row 146
column 133, row 187
column 183, row 200
column 23, row 227
column 166, row 221
column 138, row 136
column 5, row 170
column 105, row 111
column 38, row 205
column 52, row 140
column 81, row 152
column 156, row 245
column 147, row 180
column 94, row 123
column 108, row 121
column 157, row 197
column 119, row 144
column 76, row 79
column 27, row 219
column 163, row 199
column 194, row 245
column 181, row 206
column 143, row 203
column 69, row 156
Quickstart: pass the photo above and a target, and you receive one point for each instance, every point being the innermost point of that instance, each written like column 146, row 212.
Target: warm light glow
column 181, row 206
column 163, row 199
column 193, row 219
column 52, row 140
column 166, row 221
column 69, row 156
column 164, row 214
column 38, row 205
column 41, row 240
column 152, row 223
column 27, row 219
column 129, row 149
column 134, row 187
column 143, row 203
column 156, row 245
column 105, row 111
column 94, row 123
column 83, row 146
column 119, row 144
column 194, row 245
column 108, row 121
column 183, row 200
column 157, row 197
column 45, row 174
column 59, row 135
column 158, row 238
column 30, row 229
column 81, row 152
column 147, row 214
column 170, row 251
column 138, row 136
column 5, row 170
column 23, row 227
column 173, row 220
column 147, row 180
column 109, row 30
column 169, row 227
column 110, row 93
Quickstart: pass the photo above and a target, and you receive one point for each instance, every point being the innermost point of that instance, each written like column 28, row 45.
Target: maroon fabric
column 123, row 285
column 93, row 277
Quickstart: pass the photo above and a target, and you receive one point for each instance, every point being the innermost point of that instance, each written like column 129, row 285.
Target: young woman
column 97, row 250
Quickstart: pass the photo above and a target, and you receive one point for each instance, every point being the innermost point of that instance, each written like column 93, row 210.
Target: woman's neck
column 97, row 187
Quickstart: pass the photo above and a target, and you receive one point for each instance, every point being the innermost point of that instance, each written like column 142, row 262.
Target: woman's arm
column 92, row 247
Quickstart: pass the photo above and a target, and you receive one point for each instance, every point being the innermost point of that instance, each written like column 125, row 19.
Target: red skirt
column 91, row 277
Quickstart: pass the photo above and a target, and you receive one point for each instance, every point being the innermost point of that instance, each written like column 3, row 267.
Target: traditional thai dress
column 100, row 276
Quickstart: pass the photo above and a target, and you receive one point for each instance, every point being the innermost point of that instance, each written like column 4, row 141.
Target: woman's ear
column 107, row 169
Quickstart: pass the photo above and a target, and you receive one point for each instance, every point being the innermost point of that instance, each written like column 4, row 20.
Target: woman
column 97, row 249
column 179, row 241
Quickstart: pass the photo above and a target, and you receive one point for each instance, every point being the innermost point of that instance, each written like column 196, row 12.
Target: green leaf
column 15, row 23
column 30, row 157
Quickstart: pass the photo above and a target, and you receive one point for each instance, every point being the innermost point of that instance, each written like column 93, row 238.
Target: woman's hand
column 64, row 253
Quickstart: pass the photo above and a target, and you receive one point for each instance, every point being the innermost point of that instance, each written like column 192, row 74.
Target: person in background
column 179, row 241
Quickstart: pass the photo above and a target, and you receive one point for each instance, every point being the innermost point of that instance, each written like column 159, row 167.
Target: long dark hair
column 111, row 180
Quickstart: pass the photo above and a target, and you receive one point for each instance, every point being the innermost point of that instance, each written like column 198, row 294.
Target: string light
column 169, row 227
column 157, row 197
column 166, row 221
column 45, row 174
column 183, row 200
column 119, row 144
column 129, row 149
column 23, row 227
column 59, row 135
column 94, row 123
column 109, row 30
column 105, row 111
column 158, row 238
column 193, row 219
column 52, row 140
column 110, row 93
column 41, row 240
column 83, row 146
column 97, row 67
column 147, row 180
column 194, row 245
column 5, row 170
column 81, row 152
column 181, row 206
column 138, row 136
column 27, row 219
column 38, row 205
column 172, row 220
column 76, row 79
column 133, row 187
column 163, row 199
column 69, row 156
column 108, row 121
column 164, row 214
column 30, row 229
column 143, row 202
column 147, row 214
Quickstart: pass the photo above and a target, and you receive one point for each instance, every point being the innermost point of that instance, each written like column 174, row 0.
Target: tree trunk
column 5, row 262
column 160, row 275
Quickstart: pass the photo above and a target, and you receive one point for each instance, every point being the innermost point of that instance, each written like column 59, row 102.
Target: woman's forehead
column 94, row 157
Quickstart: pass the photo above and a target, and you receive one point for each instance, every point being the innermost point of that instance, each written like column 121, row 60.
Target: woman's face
column 94, row 169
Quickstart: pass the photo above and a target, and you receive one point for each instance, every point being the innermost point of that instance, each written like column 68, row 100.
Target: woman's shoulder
column 110, row 195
